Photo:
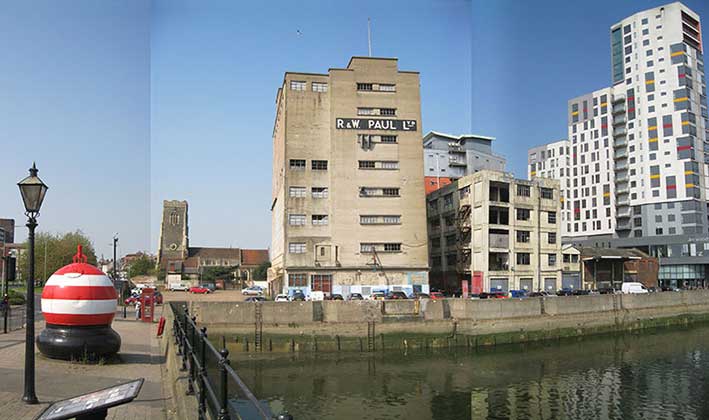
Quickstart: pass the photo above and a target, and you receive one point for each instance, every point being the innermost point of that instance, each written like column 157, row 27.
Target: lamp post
column 33, row 191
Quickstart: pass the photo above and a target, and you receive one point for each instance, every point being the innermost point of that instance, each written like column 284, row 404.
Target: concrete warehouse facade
column 494, row 232
column 638, row 164
column 348, row 212
column 447, row 157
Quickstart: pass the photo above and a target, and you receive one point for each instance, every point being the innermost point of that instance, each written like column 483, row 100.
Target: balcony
column 622, row 177
column 620, row 120
column 618, row 110
column 621, row 131
column 621, row 154
column 623, row 214
column 620, row 142
column 499, row 239
column 622, row 189
column 622, row 225
column 621, row 166
column 619, row 99
column 622, row 200
column 457, row 162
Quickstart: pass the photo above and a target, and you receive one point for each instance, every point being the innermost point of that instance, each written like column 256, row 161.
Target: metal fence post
column 190, row 357
column 202, row 373
column 224, row 397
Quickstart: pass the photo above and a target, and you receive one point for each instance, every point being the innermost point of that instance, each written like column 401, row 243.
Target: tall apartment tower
column 447, row 157
column 638, row 165
column 553, row 160
column 348, row 213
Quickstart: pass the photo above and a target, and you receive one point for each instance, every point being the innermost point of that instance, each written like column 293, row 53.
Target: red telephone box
column 147, row 305
column 477, row 286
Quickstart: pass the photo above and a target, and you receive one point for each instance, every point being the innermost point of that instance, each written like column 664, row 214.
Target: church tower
column 174, row 240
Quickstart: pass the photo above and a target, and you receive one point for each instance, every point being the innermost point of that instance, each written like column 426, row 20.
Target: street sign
column 93, row 405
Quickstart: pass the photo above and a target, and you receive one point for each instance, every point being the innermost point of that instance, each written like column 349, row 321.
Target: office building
column 447, row 157
column 489, row 231
column 348, row 213
column 638, row 165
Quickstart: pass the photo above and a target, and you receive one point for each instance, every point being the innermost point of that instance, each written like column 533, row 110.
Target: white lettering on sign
column 375, row 124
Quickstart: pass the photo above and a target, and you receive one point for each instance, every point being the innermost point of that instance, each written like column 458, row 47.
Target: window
column 174, row 218
column 387, row 111
column 365, row 111
column 552, row 260
column 368, row 220
column 388, row 139
column 387, row 88
column 366, row 164
column 391, row 220
column 297, row 85
column 296, row 247
column 319, row 165
column 523, row 214
column 296, row 219
column 319, row 87
column 389, row 164
column 380, row 220
column 364, row 86
column 390, row 192
column 551, row 217
column 551, row 238
column 392, row 247
column 297, row 192
column 523, row 190
column 378, row 192
column 385, row 247
column 523, row 236
column 297, row 164
column 298, row 280
column 523, row 258
column 547, row 193
column 319, row 219
column 319, row 192
column 378, row 164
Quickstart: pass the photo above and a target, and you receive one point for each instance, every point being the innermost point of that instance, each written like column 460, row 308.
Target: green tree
column 54, row 251
column 141, row 266
column 261, row 271
column 218, row 273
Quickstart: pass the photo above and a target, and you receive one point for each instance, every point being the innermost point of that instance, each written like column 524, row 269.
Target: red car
column 436, row 295
column 199, row 289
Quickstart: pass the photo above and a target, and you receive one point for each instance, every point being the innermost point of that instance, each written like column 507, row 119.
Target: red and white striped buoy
column 78, row 303
column 79, row 294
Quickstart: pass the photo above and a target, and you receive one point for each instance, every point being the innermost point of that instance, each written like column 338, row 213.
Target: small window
column 296, row 192
column 297, row 85
column 297, row 164
column 552, row 260
column 392, row 247
column 390, row 192
column 523, row 236
column 319, row 219
column 319, row 87
column 366, row 164
column 319, row 165
column 319, row 192
column 523, row 258
column 364, row 86
column 296, row 247
column 366, row 111
column 523, row 190
column 551, row 217
column 388, row 139
column 387, row 88
column 296, row 219
column 551, row 238
column 546, row 193
column 387, row 111
column 523, row 214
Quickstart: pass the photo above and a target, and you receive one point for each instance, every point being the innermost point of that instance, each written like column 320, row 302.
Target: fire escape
column 464, row 237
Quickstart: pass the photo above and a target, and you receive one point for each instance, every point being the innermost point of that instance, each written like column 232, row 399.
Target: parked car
column 211, row 286
column 494, row 295
column 255, row 299
column 518, row 293
column 355, row 296
column 436, row 295
column 565, row 292
column 282, row 298
column 607, row 291
column 539, row 294
column 421, row 295
column 174, row 287
column 669, row 289
column 252, row 291
column 396, row 295
column 298, row 296
column 581, row 292
column 633, row 288
column 377, row 296
column 336, row 296
column 199, row 289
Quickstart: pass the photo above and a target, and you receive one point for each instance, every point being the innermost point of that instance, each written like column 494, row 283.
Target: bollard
column 124, row 311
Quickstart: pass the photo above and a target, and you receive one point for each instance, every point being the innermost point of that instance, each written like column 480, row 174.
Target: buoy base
column 78, row 342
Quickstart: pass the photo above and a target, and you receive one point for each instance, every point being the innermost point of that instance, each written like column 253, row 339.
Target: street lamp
column 33, row 190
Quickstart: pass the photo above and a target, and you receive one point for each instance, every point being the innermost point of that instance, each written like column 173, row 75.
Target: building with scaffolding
column 491, row 232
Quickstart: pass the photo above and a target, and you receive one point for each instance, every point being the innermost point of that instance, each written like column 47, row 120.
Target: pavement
column 56, row 380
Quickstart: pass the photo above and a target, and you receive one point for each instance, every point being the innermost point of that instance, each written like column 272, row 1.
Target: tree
column 141, row 266
column 218, row 273
column 54, row 251
column 261, row 271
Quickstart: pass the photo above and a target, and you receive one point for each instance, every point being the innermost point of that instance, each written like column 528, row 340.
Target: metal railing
column 211, row 375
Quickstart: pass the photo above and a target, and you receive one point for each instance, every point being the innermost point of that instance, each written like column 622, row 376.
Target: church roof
column 254, row 256
column 224, row 253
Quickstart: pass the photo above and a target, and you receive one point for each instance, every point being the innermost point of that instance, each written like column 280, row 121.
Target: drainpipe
column 539, row 238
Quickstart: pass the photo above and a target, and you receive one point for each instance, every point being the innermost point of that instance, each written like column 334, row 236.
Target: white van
column 178, row 286
column 317, row 295
column 633, row 288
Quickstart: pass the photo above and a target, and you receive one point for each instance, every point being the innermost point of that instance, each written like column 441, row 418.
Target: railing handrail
column 217, row 402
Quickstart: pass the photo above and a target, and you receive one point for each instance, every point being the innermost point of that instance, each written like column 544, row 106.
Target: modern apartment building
column 447, row 157
column 638, row 164
column 490, row 231
column 348, row 210
column 553, row 160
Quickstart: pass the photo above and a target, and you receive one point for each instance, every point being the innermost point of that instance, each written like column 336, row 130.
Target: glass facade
column 617, row 55
column 683, row 275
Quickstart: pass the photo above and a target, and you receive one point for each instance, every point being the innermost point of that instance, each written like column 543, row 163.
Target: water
column 653, row 375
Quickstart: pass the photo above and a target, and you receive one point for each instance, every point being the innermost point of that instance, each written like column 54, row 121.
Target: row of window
column 524, row 258
column 376, row 87
column 301, row 192
column 377, row 111
column 523, row 236
column 316, row 219
column 322, row 165
column 302, row 85
column 318, row 281
column 367, row 248
column 323, row 219
column 316, row 165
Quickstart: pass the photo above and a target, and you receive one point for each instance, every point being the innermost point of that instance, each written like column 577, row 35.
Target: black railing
column 211, row 376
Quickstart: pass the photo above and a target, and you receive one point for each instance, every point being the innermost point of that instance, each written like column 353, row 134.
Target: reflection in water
column 658, row 375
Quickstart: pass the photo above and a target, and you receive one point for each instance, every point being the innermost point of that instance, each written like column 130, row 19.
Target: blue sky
column 531, row 57
column 124, row 104
column 75, row 98
column 215, row 72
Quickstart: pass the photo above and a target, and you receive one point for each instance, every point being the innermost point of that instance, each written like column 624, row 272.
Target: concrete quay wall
column 407, row 323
